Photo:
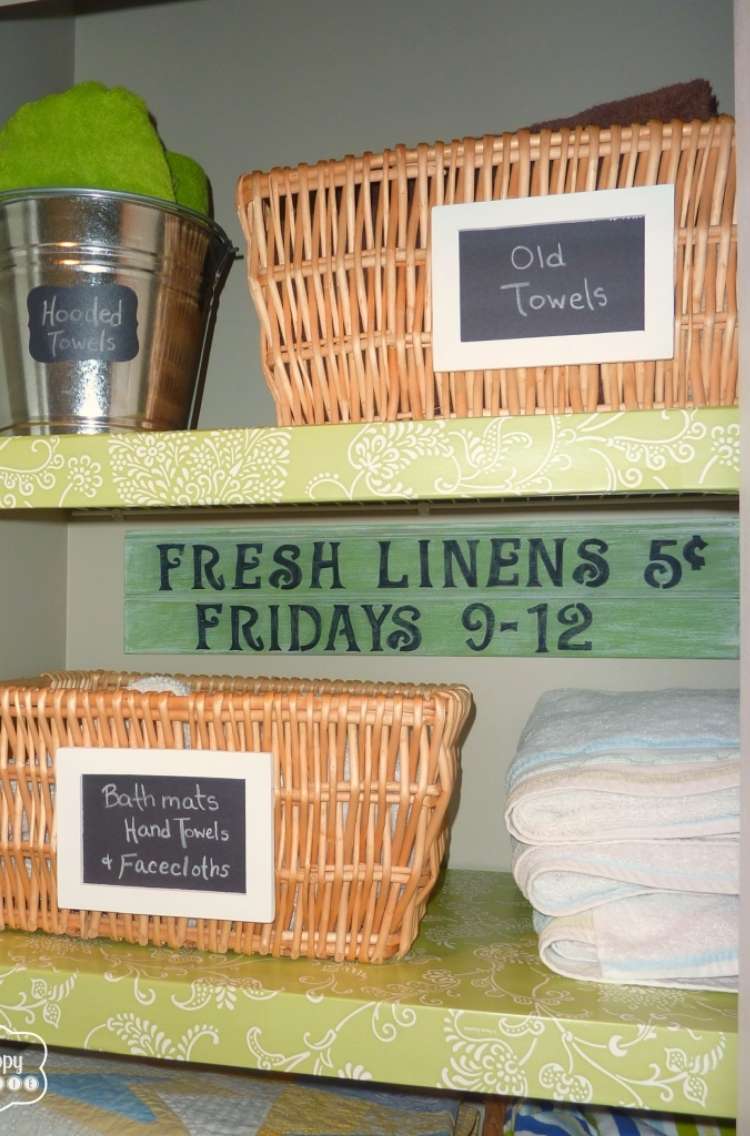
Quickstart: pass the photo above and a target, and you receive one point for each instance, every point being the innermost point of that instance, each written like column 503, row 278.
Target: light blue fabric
column 541, row 1118
column 662, row 939
column 562, row 879
column 680, row 725
column 624, row 813
column 118, row 1094
column 94, row 1094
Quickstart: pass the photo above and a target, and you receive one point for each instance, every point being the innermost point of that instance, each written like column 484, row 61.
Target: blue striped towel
column 569, row 726
column 538, row 1118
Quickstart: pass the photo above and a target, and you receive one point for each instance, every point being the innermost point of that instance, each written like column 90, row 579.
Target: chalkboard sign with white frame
column 568, row 278
column 166, row 832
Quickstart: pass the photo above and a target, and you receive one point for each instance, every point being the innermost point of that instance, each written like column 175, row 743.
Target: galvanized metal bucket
column 107, row 304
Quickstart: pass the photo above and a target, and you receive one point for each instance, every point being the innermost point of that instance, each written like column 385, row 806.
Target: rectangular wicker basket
column 364, row 774
column 339, row 272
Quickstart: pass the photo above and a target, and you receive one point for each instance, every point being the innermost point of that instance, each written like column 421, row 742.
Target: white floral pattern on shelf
column 482, row 1057
column 228, row 467
column 471, row 1008
column 143, row 1038
column 377, row 457
column 40, row 1004
column 352, row 1072
column 218, row 995
column 627, row 458
column 36, row 470
column 84, row 477
column 563, row 1086
column 508, row 457
column 542, row 455
column 725, row 448
column 650, row 451
column 482, row 1061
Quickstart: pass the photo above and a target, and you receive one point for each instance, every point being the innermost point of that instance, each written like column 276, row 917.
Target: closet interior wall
column 36, row 58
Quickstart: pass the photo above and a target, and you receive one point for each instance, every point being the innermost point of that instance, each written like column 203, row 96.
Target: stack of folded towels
column 623, row 809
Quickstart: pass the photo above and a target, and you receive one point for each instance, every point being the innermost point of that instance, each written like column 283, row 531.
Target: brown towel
column 685, row 101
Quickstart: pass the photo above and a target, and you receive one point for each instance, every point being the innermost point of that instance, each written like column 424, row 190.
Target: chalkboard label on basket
column 83, row 322
column 150, row 832
column 571, row 278
column 169, row 832
column 565, row 279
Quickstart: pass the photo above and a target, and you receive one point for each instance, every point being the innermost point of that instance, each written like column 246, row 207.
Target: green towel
column 191, row 186
column 89, row 136
column 96, row 137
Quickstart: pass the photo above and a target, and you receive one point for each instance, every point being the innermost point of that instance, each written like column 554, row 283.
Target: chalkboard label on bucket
column 571, row 278
column 149, row 832
column 83, row 322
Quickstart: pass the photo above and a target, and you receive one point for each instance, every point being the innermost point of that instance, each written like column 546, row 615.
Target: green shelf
column 628, row 453
column 471, row 1008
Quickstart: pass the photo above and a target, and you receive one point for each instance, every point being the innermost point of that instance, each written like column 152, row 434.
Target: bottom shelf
column 471, row 1009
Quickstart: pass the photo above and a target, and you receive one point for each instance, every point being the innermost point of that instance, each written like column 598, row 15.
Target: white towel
column 580, row 804
column 620, row 766
column 648, row 940
column 148, row 684
column 586, row 728
column 168, row 683
column 563, row 879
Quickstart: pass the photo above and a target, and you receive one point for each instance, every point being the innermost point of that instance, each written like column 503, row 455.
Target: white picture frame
column 254, row 775
column 656, row 341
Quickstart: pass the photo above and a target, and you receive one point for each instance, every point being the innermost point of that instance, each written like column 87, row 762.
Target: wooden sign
column 564, row 278
column 656, row 587
column 149, row 832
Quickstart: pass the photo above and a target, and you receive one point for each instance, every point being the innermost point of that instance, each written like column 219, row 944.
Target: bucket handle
column 219, row 277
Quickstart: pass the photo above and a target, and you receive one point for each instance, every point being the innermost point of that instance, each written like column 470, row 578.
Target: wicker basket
column 339, row 272
column 363, row 778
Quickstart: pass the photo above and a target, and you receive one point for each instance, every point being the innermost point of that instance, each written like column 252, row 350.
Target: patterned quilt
column 111, row 1096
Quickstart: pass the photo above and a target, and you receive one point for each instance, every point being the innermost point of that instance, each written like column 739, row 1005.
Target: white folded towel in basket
column 151, row 684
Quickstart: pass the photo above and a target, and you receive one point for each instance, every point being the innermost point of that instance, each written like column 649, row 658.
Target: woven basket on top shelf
column 363, row 775
column 339, row 272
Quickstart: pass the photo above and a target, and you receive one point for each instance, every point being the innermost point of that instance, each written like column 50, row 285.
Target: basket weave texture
column 363, row 776
column 339, row 272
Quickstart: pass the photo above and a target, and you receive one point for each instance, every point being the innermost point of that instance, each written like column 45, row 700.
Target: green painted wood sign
column 651, row 588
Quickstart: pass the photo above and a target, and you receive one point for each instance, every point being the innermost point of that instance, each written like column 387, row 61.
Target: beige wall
column 36, row 57
column 247, row 85
column 504, row 689
column 33, row 570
